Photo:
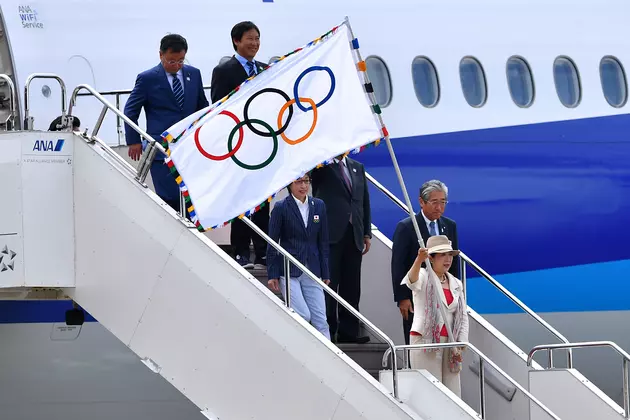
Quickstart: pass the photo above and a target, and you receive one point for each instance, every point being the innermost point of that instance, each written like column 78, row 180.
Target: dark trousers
column 345, row 279
column 407, row 325
column 241, row 234
column 164, row 183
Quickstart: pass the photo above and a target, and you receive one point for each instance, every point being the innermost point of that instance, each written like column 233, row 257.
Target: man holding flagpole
column 226, row 77
column 343, row 188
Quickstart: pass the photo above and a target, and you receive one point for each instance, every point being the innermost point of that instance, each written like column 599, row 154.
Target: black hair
column 306, row 174
column 54, row 125
column 173, row 42
column 239, row 30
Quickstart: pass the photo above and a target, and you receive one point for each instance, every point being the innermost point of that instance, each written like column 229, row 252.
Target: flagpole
column 401, row 181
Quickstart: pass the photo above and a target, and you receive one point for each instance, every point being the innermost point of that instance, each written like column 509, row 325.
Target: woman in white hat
column 428, row 326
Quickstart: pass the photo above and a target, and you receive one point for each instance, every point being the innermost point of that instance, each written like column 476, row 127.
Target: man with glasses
column 169, row 92
column 226, row 77
column 433, row 200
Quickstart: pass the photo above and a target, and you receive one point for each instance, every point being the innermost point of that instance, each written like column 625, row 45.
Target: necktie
column 252, row 71
column 432, row 231
column 178, row 91
column 346, row 180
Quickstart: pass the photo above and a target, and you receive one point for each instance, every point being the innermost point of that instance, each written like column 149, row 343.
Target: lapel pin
column 354, row 170
column 316, row 218
column 188, row 78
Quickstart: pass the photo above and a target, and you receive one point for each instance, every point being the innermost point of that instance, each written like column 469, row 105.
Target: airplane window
column 473, row 81
column 567, row 80
column 425, row 81
column 381, row 81
column 273, row 59
column 520, row 81
column 614, row 82
column 224, row 59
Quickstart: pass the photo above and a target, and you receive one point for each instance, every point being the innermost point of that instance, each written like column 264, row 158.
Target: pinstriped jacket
column 308, row 244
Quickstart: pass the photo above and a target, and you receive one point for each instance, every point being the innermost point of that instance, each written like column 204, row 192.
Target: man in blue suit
column 169, row 92
column 300, row 225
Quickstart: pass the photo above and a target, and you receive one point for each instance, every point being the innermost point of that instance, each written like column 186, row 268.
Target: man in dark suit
column 169, row 92
column 343, row 187
column 299, row 225
column 433, row 200
column 225, row 78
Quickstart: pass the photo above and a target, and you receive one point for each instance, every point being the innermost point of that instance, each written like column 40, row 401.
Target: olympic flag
column 302, row 111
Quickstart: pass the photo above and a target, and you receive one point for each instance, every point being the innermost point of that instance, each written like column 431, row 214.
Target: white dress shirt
column 303, row 207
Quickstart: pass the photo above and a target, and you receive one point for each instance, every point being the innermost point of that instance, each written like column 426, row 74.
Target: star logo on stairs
column 7, row 259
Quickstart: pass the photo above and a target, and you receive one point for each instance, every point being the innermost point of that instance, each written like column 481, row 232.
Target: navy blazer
column 340, row 202
column 308, row 244
column 405, row 250
column 153, row 92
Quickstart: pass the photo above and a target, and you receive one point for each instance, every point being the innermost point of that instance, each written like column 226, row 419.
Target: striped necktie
column 251, row 70
column 178, row 91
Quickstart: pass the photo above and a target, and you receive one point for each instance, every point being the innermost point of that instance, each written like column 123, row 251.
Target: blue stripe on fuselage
column 525, row 198
column 35, row 311
column 567, row 289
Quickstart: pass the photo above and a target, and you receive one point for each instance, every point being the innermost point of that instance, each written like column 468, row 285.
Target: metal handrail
column 586, row 344
column 483, row 359
column 28, row 120
column 387, row 192
column 117, row 94
column 120, row 92
column 332, row 294
column 521, row 305
column 12, row 101
column 152, row 149
column 485, row 275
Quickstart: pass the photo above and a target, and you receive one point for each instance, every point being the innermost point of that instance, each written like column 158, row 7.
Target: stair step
column 369, row 356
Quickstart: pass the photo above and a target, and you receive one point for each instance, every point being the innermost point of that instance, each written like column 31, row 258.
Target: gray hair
column 430, row 186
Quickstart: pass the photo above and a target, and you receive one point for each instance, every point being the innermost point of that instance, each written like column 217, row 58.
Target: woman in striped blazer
column 298, row 223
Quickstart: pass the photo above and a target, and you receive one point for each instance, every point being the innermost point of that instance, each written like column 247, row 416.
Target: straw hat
column 440, row 244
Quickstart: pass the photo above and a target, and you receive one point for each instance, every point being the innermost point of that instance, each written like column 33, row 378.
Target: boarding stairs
column 170, row 277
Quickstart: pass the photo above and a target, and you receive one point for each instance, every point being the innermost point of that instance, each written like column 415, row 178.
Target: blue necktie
column 252, row 71
column 432, row 231
column 178, row 91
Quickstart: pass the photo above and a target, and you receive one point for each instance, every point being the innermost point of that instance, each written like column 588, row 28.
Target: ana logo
column 48, row 145
column 29, row 17
column 7, row 259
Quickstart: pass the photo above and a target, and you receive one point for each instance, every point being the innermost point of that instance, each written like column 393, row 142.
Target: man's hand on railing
column 327, row 282
column 274, row 285
column 405, row 307
column 135, row 151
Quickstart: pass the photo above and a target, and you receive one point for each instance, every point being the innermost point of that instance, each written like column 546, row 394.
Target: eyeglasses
column 173, row 62
column 303, row 181
column 438, row 202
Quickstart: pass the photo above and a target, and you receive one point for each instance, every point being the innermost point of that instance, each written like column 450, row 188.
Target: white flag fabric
column 302, row 111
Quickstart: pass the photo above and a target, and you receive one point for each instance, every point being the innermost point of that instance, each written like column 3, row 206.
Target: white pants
column 436, row 364
column 307, row 299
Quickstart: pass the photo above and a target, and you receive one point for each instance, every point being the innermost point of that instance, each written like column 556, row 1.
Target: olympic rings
column 307, row 135
column 231, row 152
column 296, row 100
column 304, row 73
column 239, row 126
column 246, row 112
